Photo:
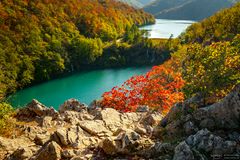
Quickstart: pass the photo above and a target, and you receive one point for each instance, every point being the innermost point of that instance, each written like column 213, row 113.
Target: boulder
column 46, row 122
column 23, row 153
column 11, row 145
column 205, row 141
column 111, row 118
column 190, row 128
column 61, row 135
column 95, row 128
column 152, row 118
column 72, row 105
column 183, row 151
column 74, row 117
column 41, row 139
column 51, row 151
column 109, row 146
column 160, row 150
column 222, row 115
column 141, row 130
column 68, row 153
column 35, row 109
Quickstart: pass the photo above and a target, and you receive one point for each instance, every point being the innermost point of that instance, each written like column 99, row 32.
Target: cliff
column 76, row 131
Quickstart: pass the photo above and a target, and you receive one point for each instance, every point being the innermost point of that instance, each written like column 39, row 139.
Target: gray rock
column 183, row 151
column 190, row 128
column 224, row 114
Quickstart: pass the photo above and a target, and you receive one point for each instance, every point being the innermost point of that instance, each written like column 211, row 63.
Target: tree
column 160, row 88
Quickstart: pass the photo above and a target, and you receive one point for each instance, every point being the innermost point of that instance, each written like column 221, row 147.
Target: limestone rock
column 109, row 146
column 34, row 109
column 69, row 153
column 40, row 139
column 111, row 118
column 72, row 105
column 62, row 136
column 11, row 145
column 141, row 130
column 204, row 140
column 222, row 115
column 152, row 119
column 51, row 151
column 47, row 122
column 183, row 151
column 95, row 128
column 21, row 153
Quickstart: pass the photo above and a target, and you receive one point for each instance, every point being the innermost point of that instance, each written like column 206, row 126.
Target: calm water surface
column 84, row 86
column 90, row 85
column 164, row 28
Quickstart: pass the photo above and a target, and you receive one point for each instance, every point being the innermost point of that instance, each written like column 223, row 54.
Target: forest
column 41, row 40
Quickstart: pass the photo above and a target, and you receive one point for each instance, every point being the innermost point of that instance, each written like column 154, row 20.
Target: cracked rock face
column 77, row 132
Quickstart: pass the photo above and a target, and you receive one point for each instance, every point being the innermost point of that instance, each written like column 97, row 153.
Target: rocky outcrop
column 189, row 131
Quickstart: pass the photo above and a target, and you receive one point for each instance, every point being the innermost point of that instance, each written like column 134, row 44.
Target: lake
column 89, row 85
column 84, row 86
column 164, row 28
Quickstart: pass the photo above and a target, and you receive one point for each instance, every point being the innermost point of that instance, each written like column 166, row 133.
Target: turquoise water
column 85, row 86
column 164, row 28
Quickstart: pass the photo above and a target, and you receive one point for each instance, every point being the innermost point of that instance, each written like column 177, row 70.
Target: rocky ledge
column 79, row 132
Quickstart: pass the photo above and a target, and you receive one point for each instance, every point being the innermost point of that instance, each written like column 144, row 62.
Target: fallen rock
column 109, row 146
column 72, row 105
column 51, row 151
column 68, row 153
column 222, row 115
column 111, row 118
column 41, row 139
column 95, row 128
column 183, row 151
column 152, row 119
column 205, row 141
column 35, row 109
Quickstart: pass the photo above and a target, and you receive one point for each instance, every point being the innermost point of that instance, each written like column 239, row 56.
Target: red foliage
column 159, row 89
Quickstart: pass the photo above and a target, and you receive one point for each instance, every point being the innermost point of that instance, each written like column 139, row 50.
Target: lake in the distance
column 89, row 85
column 164, row 28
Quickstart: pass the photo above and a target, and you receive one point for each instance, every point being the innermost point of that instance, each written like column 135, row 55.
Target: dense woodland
column 206, row 63
column 40, row 40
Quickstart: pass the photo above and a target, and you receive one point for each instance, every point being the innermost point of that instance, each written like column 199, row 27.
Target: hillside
column 134, row 3
column 137, row 3
column 40, row 40
column 186, row 9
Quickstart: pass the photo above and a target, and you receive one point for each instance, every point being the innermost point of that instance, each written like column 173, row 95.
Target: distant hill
column 137, row 3
column 187, row 9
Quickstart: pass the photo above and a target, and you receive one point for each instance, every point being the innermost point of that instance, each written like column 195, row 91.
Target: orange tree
column 159, row 89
